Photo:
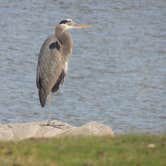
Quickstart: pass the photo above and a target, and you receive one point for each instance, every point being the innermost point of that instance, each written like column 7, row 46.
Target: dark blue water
column 117, row 74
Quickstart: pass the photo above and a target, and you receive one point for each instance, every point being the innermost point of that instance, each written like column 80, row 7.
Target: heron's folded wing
column 49, row 65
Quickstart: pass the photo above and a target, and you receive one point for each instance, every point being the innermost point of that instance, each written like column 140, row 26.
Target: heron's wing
column 59, row 81
column 50, row 65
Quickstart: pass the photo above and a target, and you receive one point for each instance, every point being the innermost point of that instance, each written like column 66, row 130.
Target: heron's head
column 70, row 24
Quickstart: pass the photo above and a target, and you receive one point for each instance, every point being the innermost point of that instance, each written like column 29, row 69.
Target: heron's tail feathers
column 42, row 97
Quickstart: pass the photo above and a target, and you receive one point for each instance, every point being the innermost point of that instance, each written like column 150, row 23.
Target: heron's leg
column 49, row 109
column 49, row 115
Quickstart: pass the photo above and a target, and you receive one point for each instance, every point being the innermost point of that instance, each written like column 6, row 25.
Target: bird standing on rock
column 53, row 59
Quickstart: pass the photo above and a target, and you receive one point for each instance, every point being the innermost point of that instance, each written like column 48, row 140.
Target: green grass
column 123, row 150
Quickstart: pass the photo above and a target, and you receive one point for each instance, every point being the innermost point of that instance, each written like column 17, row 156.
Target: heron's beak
column 80, row 26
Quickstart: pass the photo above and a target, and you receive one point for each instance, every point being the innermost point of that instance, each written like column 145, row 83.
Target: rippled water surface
column 117, row 74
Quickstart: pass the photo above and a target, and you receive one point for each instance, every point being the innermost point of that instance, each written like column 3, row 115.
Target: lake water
column 117, row 73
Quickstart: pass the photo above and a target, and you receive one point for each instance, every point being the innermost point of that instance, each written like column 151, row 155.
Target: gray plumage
column 53, row 60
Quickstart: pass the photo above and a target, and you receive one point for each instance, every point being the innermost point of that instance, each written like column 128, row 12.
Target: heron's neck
column 66, row 41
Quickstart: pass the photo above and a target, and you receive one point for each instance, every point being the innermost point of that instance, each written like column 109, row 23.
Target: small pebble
column 151, row 146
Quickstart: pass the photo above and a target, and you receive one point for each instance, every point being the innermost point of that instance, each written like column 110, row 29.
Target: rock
column 151, row 145
column 91, row 128
column 19, row 131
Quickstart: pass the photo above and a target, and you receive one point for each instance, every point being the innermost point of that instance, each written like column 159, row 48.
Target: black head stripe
column 64, row 21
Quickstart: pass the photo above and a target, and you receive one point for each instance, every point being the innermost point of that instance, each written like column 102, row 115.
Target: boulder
column 89, row 129
column 20, row 131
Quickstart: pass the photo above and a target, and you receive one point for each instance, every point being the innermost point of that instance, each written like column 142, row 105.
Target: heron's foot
column 59, row 126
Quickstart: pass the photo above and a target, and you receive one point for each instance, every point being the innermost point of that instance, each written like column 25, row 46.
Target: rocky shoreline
column 20, row 131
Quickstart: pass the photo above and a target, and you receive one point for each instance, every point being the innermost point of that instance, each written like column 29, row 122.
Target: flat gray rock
column 20, row 131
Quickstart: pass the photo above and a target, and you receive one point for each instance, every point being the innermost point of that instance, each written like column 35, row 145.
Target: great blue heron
column 53, row 59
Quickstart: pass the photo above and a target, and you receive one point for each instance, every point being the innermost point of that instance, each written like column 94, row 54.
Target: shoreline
column 21, row 131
